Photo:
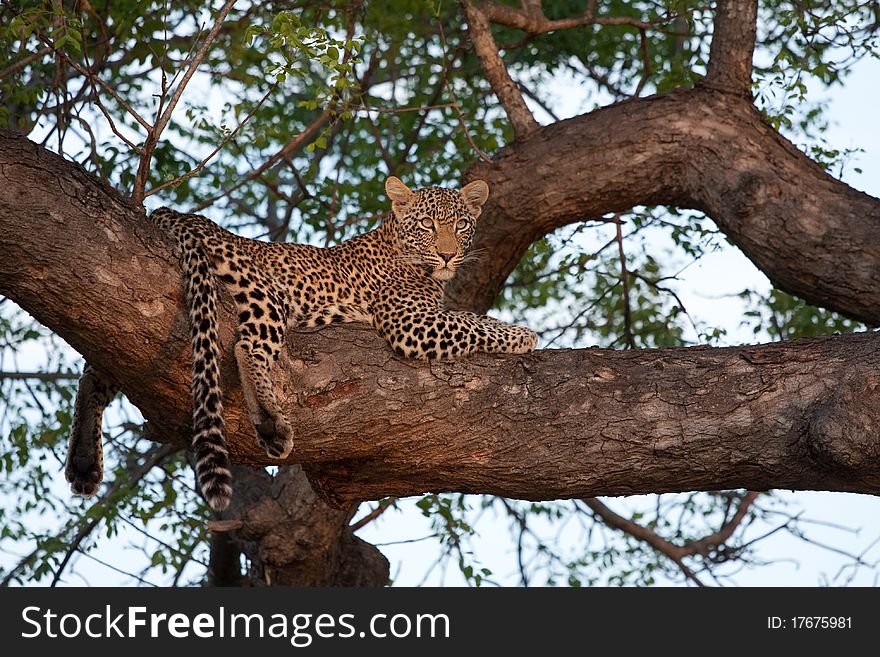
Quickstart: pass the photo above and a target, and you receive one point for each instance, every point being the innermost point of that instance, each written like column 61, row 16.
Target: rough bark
column 733, row 42
column 558, row 423
column 292, row 539
column 812, row 235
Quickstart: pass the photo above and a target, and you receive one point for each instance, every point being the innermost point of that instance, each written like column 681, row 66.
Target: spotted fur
column 84, row 469
column 392, row 277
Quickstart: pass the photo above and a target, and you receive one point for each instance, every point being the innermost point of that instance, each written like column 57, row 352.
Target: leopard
column 392, row 277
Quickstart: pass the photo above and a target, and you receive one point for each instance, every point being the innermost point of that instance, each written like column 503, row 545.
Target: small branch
column 381, row 508
column 303, row 138
column 733, row 43
column 398, row 110
column 524, row 124
column 455, row 104
column 83, row 71
column 530, row 18
column 288, row 150
column 647, row 69
column 40, row 376
column 210, row 156
column 523, row 528
column 24, row 61
column 155, row 456
column 538, row 101
column 155, row 132
column 703, row 545
column 386, row 156
column 676, row 553
column 624, row 278
column 134, row 147
column 616, row 521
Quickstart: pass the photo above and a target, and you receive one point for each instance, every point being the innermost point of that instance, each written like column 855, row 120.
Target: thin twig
column 118, row 570
column 287, row 150
column 137, row 149
column 210, row 156
column 519, row 114
column 381, row 508
column 455, row 104
column 647, row 70
column 649, row 536
column 24, row 61
column 624, row 278
column 523, row 528
column 153, row 458
column 398, row 110
column 76, row 66
column 152, row 140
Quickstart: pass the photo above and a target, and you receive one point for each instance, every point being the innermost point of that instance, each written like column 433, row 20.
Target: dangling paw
column 84, row 472
column 275, row 435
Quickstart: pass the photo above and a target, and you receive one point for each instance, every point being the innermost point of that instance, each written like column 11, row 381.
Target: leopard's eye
column 461, row 224
column 426, row 222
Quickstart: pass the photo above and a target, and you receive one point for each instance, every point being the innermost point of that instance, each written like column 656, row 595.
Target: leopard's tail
column 210, row 452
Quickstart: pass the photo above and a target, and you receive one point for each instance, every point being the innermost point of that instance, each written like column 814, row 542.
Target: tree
column 311, row 113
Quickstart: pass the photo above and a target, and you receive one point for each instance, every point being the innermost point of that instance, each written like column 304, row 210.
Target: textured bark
column 812, row 235
column 292, row 539
column 558, row 423
column 730, row 58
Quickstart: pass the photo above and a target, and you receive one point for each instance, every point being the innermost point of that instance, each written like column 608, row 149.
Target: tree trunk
column 291, row 537
column 555, row 424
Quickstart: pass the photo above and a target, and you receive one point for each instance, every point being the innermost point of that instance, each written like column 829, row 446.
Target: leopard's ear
column 401, row 195
column 474, row 196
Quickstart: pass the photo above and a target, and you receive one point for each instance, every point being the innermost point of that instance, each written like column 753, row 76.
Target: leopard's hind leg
column 84, row 468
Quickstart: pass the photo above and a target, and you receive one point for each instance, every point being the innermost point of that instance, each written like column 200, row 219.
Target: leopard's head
column 435, row 225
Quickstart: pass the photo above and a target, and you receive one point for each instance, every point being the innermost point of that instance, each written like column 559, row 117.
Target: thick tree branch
column 699, row 149
column 524, row 124
column 152, row 140
column 733, row 42
column 291, row 538
column 553, row 424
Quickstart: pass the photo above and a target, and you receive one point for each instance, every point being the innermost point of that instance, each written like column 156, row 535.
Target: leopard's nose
column 446, row 255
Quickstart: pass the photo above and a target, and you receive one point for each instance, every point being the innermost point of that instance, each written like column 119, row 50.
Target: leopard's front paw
column 526, row 341
column 276, row 436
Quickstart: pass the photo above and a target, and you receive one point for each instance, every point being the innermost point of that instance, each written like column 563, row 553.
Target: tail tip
column 218, row 502
column 217, row 491
column 218, row 497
